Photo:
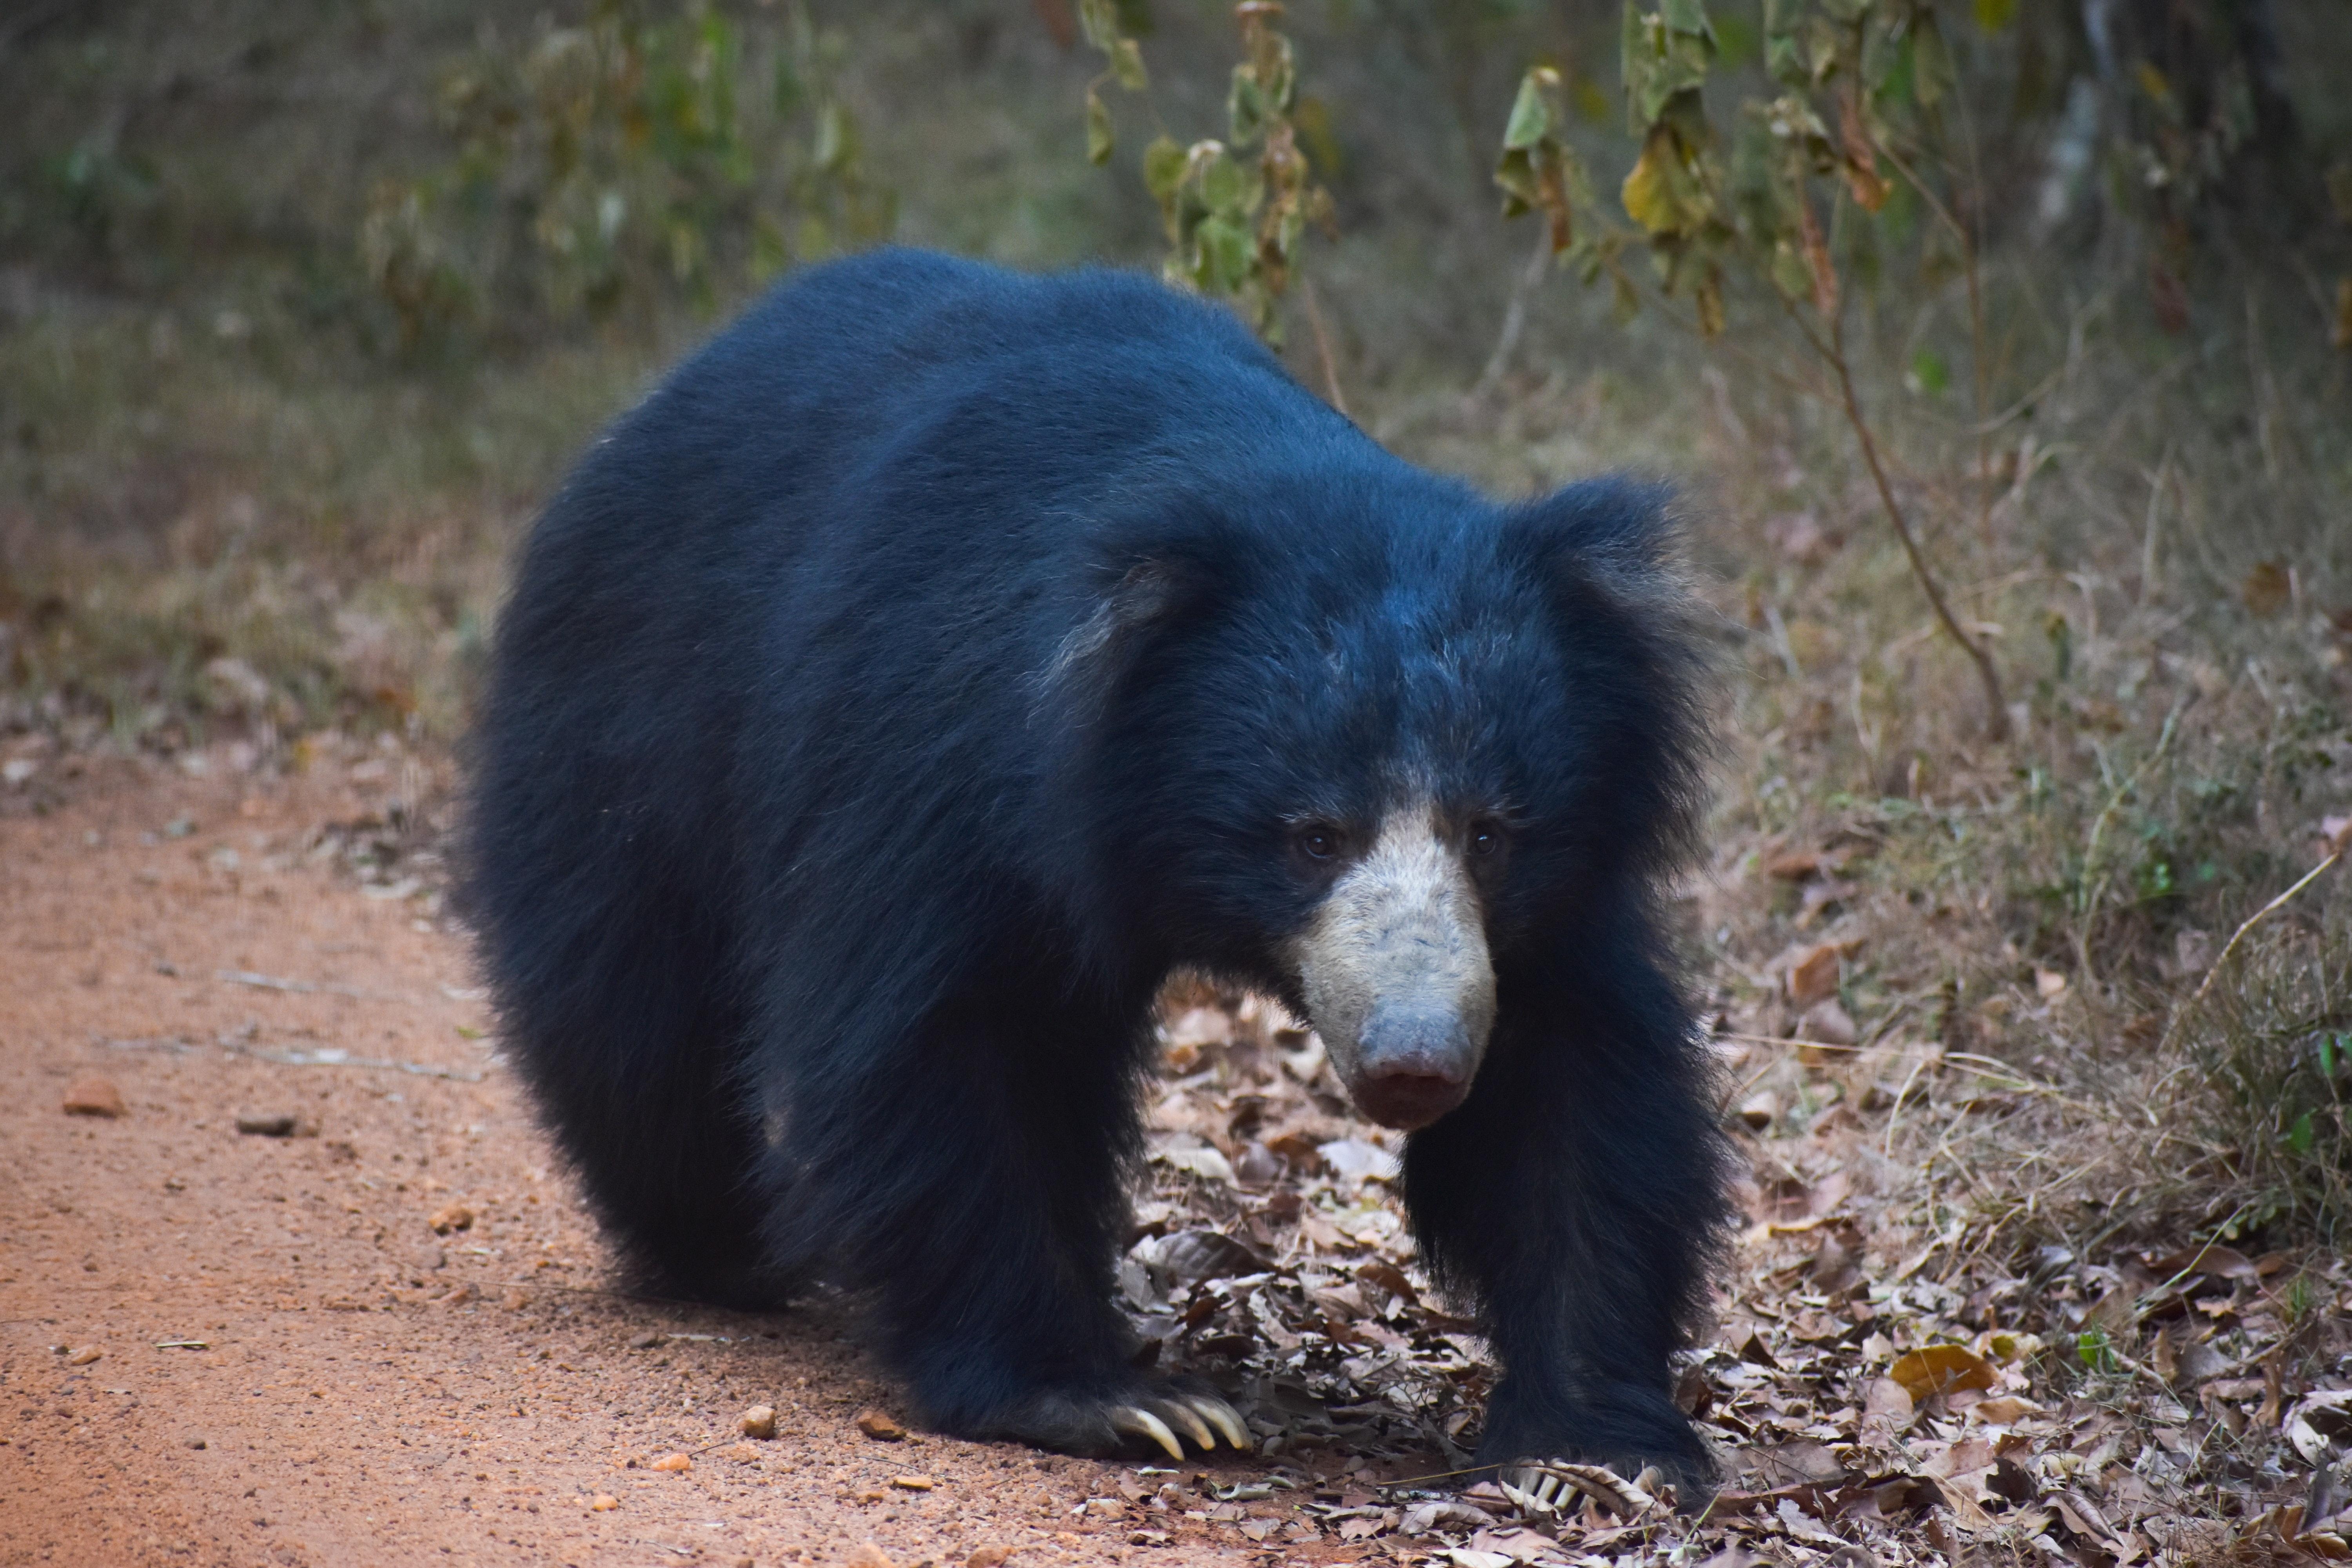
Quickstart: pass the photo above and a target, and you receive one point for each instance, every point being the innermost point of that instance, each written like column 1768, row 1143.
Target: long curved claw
column 1134, row 1419
column 1179, row 1414
column 1223, row 1417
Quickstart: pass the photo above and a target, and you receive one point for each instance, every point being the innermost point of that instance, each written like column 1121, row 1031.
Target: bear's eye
column 1318, row 841
column 1485, row 837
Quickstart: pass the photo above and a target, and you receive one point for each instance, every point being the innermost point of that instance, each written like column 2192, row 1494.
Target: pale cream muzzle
column 1396, row 976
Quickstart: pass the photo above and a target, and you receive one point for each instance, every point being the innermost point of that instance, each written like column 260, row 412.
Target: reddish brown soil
column 295, row 1369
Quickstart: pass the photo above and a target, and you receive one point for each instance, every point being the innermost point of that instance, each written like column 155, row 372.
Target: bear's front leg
column 977, row 1190
column 1576, row 1198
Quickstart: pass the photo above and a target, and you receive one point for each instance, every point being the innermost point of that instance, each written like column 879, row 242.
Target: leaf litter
column 1880, row 1388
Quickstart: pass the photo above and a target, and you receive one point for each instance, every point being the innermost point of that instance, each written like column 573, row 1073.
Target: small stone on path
column 266, row 1126
column 759, row 1421
column 880, row 1426
column 94, row 1097
column 673, row 1462
column 453, row 1216
column 84, row 1356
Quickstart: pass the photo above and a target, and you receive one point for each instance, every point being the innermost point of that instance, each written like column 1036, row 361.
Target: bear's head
column 1395, row 752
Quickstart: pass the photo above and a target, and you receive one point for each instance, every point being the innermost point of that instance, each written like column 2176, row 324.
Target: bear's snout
column 1415, row 1064
column 1396, row 976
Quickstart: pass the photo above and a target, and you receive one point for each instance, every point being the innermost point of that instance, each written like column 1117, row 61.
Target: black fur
column 887, row 705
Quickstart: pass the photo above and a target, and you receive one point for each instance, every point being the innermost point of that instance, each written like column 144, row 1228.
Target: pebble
column 196, row 1442
column 912, row 1483
column 646, row 1340
column 84, row 1356
column 453, row 1216
column 880, row 1426
column 603, row 1502
column 759, row 1421
column 94, row 1097
column 866, row 1554
column 988, row 1557
column 673, row 1462
column 266, row 1126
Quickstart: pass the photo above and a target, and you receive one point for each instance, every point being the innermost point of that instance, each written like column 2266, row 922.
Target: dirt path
column 293, row 1367
column 224, row 1346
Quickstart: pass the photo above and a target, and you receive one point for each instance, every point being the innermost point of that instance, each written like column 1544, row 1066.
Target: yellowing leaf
column 1940, row 1369
column 1660, row 194
column 1709, row 300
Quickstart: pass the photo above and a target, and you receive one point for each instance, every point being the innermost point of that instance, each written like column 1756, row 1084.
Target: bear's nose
column 1416, row 1065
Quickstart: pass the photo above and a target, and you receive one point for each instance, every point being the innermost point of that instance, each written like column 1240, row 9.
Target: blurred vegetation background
column 304, row 307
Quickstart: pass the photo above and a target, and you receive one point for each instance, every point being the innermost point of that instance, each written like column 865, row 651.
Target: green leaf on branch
column 1532, row 113
column 1224, row 255
column 1100, row 140
column 1663, row 61
column 1226, row 187
column 1930, row 375
column 1127, row 65
column 1163, row 169
column 1098, row 19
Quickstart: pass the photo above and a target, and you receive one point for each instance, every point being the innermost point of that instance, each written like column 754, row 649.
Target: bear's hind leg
column 630, row 1050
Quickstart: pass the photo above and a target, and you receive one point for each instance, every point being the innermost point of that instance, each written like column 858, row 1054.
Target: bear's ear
column 1147, row 598
column 1615, row 527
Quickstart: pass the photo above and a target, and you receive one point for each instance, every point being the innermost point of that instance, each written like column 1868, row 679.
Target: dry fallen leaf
column 1814, row 976
column 1940, row 1369
column 2268, row 588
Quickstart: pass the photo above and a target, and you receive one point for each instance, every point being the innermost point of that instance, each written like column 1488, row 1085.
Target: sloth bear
column 939, row 659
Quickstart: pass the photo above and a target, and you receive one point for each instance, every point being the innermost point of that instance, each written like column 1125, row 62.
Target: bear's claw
column 1555, row 1483
column 1202, row 1417
column 1142, row 1423
column 1225, row 1419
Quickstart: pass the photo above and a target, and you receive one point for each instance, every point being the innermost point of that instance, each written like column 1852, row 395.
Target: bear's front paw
column 1632, row 1430
column 1165, row 1414
column 1556, row 1484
